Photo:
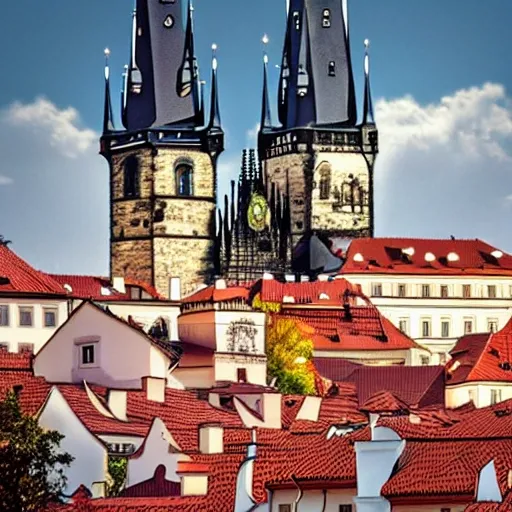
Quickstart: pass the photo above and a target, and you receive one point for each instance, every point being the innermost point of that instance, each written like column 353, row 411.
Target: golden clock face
column 258, row 213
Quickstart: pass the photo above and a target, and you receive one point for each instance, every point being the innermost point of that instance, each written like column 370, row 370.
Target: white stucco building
column 434, row 290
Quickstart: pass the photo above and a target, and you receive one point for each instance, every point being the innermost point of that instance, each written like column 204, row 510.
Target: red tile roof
column 446, row 468
column 211, row 294
column 155, row 487
column 308, row 292
column 17, row 276
column 482, row 357
column 15, row 360
column 384, row 401
column 454, row 257
column 90, row 287
column 505, row 506
column 174, row 504
column 417, row 386
column 354, row 328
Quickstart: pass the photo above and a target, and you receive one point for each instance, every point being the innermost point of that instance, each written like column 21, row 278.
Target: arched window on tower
column 131, row 177
column 326, row 18
column 325, row 181
column 184, row 180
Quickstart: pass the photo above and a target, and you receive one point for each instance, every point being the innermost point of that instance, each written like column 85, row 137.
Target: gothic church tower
column 163, row 163
column 320, row 151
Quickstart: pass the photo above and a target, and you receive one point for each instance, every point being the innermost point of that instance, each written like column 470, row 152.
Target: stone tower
column 163, row 163
column 320, row 151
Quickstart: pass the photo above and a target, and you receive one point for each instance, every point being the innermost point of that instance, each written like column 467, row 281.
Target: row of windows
column 445, row 326
column 21, row 347
column 326, row 19
column 425, row 291
column 26, row 316
column 183, row 172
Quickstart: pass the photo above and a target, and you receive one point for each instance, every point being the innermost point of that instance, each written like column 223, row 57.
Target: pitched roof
column 417, row 386
column 482, row 357
column 350, row 328
column 156, row 486
column 21, row 361
column 17, row 276
column 272, row 290
column 101, row 288
column 212, row 294
column 455, row 257
column 446, row 468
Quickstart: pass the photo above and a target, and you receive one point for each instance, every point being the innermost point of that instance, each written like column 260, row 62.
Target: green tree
column 117, row 467
column 289, row 352
column 31, row 463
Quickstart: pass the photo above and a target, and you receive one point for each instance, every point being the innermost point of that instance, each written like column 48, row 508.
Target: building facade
column 435, row 291
column 163, row 163
column 321, row 153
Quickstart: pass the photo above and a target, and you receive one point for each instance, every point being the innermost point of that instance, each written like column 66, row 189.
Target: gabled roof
column 425, row 256
column 417, row 386
column 482, row 357
column 17, row 276
column 357, row 328
column 101, row 288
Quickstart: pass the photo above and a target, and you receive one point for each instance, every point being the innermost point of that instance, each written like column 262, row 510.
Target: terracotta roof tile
column 155, row 487
column 15, row 360
column 211, row 294
column 90, row 287
column 17, row 276
column 385, row 256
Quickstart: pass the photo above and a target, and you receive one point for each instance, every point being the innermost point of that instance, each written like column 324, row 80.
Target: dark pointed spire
column 215, row 122
column 266, row 117
column 368, row 117
column 108, row 117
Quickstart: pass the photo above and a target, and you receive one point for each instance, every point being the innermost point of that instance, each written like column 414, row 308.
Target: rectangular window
column 446, row 510
column 425, row 290
column 426, row 328
column 285, row 508
column 241, row 375
column 402, row 292
column 134, row 293
column 50, row 317
column 444, row 291
column 468, row 326
column 26, row 315
column 424, row 360
column 4, row 316
column 492, row 324
column 377, row 290
column 495, row 396
column 332, row 68
column 403, row 325
column 491, row 291
column 466, row 291
column 345, row 508
column 445, row 328
column 87, row 354
column 26, row 347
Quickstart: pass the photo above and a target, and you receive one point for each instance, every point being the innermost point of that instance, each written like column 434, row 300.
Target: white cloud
column 252, row 136
column 56, row 209
column 445, row 168
column 60, row 127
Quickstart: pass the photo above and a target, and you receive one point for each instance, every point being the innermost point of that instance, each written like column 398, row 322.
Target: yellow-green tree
column 289, row 350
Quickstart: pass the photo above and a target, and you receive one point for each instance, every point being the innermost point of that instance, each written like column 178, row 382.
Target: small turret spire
column 108, row 122
column 215, row 121
column 368, row 117
column 266, row 116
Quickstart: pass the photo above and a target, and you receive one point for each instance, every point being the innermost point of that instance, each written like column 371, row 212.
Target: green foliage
column 117, row 467
column 289, row 351
column 31, row 463
column 266, row 307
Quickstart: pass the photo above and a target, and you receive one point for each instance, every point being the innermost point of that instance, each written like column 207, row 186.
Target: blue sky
column 446, row 146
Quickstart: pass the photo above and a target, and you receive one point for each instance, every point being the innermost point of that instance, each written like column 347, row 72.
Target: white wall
column 159, row 449
column 123, row 355
column 314, row 500
column 37, row 333
column 226, row 366
column 480, row 392
column 90, row 464
column 413, row 308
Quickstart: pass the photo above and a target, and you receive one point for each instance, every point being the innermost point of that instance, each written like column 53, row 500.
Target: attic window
column 326, row 18
column 332, row 68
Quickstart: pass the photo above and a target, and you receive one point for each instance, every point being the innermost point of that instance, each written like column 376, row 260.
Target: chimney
column 272, row 410
column 193, row 477
column 117, row 403
column 118, row 284
column 268, row 277
column 175, row 289
column 154, row 388
column 220, row 284
column 211, row 439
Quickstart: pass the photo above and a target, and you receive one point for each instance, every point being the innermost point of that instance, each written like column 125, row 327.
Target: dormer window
column 326, row 18
column 332, row 68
